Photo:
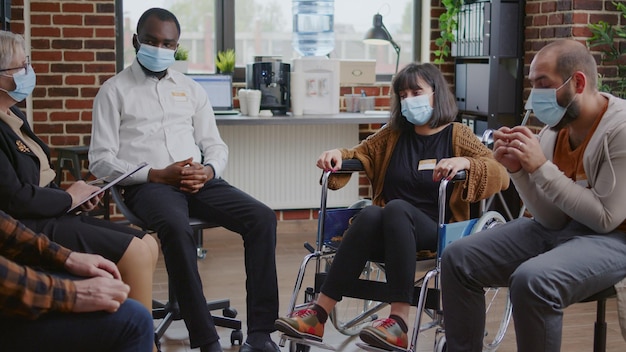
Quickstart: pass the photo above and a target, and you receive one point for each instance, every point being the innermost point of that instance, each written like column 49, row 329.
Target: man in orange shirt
column 575, row 244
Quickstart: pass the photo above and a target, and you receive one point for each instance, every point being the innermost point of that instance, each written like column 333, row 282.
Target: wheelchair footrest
column 308, row 342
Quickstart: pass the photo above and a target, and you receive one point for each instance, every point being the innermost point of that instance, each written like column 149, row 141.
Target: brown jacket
column 485, row 176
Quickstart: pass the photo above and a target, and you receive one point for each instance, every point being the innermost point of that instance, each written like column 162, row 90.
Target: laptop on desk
column 219, row 88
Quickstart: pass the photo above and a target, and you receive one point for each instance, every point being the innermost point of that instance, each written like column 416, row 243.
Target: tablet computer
column 110, row 184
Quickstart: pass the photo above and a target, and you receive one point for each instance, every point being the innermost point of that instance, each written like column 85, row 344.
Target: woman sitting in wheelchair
column 404, row 161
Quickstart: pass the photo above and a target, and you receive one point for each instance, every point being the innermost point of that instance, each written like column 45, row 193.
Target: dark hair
column 444, row 105
column 161, row 14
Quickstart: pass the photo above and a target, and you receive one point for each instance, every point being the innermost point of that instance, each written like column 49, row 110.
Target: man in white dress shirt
column 150, row 113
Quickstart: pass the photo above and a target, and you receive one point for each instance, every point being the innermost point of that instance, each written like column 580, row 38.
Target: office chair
column 170, row 311
column 599, row 331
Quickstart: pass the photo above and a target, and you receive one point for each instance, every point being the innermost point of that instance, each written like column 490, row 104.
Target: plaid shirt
column 25, row 290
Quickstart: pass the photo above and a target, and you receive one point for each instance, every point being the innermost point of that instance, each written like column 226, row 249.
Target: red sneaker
column 302, row 323
column 385, row 334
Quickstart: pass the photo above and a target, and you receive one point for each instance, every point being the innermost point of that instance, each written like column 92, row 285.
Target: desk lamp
column 379, row 35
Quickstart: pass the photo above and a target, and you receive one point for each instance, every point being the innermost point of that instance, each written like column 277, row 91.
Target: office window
column 197, row 21
column 264, row 27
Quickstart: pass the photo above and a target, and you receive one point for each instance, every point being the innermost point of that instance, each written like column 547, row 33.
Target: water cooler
column 272, row 77
column 315, row 85
column 313, row 27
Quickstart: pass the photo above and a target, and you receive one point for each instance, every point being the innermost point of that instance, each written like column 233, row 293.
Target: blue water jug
column 313, row 33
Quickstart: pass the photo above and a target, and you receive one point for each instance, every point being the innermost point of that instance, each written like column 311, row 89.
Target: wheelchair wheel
column 350, row 315
column 497, row 317
column 488, row 220
column 440, row 344
column 497, row 303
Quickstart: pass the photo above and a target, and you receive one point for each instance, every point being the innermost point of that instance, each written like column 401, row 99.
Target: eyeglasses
column 24, row 66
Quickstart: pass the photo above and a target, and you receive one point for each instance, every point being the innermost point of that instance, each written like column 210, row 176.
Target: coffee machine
column 271, row 76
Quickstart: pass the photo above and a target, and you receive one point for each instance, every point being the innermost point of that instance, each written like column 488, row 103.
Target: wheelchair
column 366, row 295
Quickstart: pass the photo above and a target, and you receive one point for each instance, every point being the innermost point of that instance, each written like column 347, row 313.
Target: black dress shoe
column 269, row 346
column 212, row 347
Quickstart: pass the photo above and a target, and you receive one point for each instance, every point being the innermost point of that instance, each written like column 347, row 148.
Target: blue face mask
column 25, row 80
column 543, row 103
column 155, row 59
column 417, row 110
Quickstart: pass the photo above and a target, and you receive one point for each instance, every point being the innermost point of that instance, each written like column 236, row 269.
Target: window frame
column 225, row 32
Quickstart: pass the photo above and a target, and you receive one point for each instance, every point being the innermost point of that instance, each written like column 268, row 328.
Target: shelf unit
column 489, row 63
column 488, row 60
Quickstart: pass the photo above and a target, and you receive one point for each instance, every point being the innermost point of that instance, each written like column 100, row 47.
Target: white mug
column 253, row 99
column 243, row 101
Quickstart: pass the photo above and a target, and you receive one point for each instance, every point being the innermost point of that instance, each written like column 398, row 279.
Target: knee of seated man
column 528, row 281
column 265, row 216
column 453, row 253
column 266, row 213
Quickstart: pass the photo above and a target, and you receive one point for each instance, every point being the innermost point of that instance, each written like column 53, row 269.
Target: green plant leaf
column 608, row 39
column 181, row 54
column 447, row 27
column 225, row 61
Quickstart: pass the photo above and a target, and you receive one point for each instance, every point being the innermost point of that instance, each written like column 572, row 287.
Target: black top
column 410, row 173
column 20, row 193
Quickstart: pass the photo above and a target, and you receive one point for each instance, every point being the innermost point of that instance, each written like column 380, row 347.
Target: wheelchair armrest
column 351, row 165
column 460, row 175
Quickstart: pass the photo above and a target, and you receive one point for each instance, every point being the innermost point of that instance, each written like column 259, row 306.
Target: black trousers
column 391, row 235
column 166, row 210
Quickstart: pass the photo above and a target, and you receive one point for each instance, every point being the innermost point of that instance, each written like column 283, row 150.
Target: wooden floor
column 223, row 277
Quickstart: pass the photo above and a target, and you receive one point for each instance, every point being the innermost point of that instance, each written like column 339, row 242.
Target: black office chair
column 599, row 331
column 170, row 311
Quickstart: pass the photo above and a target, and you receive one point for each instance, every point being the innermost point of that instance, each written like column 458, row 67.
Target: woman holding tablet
column 28, row 193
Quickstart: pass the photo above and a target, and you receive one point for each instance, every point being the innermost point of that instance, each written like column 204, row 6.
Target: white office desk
column 338, row 119
column 273, row 158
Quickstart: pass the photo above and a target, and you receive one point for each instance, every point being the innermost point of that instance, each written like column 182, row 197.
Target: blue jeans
column 130, row 329
column 545, row 270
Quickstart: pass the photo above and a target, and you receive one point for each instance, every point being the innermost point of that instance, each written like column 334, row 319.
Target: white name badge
column 179, row 96
column 427, row 164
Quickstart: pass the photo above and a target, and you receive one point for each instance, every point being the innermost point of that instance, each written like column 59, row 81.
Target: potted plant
column 225, row 61
column 448, row 22
column 609, row 40
column 181, row 56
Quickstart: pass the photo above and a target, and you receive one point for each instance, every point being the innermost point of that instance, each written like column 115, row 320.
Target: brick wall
column 73, row 52
column 547, row 20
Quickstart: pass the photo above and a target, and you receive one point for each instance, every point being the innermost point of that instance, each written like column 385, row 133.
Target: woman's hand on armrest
column 330, row 160
column 447, row 168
